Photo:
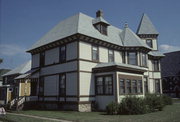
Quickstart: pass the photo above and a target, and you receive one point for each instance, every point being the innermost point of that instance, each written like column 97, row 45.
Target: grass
column 171, row 113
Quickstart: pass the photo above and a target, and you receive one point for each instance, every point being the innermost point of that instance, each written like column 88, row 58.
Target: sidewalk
column 38, row 117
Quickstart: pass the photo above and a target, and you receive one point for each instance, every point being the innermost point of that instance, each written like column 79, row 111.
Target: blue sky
column 23, row 22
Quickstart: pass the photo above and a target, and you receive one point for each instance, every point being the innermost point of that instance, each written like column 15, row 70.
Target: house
column 12, row 88
column 171, row 74
column 85, row 61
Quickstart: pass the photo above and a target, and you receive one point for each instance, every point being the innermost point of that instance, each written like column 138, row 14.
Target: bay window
column 104, row 85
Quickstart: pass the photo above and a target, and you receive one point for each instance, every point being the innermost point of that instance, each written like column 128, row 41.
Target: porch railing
column 21, row 101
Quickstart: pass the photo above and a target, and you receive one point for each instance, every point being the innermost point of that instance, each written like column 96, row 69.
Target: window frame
column 42, row 59
column 156, row 66
column 61, row 60
column 104, row 85
column 146, row 86
column 149, row 44
column 136, row 63
column 102, row 28
column 123, row 57
column 144, row 60
column 60, row 87
column 109, row 55
column 159, row 86
column 92, row 51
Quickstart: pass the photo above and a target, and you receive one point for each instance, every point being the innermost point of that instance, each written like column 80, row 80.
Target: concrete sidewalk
column 38, row 117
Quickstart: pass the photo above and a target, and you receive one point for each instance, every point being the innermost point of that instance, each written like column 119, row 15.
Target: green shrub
column 112, row 108
column 154, row 102
column 132, row 105
column 167, row 100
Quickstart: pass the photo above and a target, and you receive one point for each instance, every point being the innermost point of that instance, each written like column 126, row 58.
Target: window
column 134, row 86
column 111, row 56
column 101, row 28
column 140, row 86
column 41, row 86
column 156, row 65
column 122, row 86
column 149, row 42
column 146, row 85
column 144, row 59
column 62, row 54
column 42, row 59
column 104, row 85
column 157, row 85
column 123, row 58
column 132, row 58
column 62, row 84
column 99, row 85
column 128, row 86
column 95, row 53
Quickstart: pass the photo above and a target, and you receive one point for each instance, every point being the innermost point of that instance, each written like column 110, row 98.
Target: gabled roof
column 20, row 69
column 146, row 26
column 2, row 72
column 130, row 39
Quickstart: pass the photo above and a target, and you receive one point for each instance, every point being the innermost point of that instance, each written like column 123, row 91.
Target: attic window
column 102, row 28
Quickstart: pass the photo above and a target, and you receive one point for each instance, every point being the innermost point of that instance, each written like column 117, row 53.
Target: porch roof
column 22, row 76
column 118, row 66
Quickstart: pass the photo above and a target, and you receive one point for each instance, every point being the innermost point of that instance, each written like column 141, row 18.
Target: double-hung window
column 146, row 84
column 132, row 58
column 104, row 85
column 111, row 56
column 122, row 86
column 157, row 85
column 144, row 60
column 42, row 59
column 156, row 65
column 62, row 54
column 95, row 53
column 62, row 84
column 149, row 43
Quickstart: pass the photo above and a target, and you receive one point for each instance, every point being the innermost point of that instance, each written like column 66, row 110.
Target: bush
column 112, row 108
column 132, row 105
column 154, row 102
column 167, row 100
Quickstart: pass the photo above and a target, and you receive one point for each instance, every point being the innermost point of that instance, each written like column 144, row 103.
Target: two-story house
column 85, row 60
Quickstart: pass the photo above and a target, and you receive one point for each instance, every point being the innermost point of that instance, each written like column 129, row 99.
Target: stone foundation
column 84, row 107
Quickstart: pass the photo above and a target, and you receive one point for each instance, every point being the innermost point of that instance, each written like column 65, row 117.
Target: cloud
column 169, row 48
column 11, row 49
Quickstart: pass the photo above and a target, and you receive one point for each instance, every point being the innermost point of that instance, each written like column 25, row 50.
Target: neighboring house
column 2, row 72
column 171, row 74
column 12, row 89
column 85, row 60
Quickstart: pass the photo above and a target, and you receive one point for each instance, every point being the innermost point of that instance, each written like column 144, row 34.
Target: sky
column 23, row 22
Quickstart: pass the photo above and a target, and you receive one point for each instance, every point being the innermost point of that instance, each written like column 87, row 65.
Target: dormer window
column 149, row 42
column 102, row 28
column 99, row 23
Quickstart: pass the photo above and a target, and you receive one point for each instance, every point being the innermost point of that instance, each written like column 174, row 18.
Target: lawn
column 169, row 114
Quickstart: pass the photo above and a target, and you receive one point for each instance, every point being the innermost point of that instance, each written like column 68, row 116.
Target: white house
column 85, row 60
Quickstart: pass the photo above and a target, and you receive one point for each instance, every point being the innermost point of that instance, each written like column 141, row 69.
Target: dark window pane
column 99, row 85
column 123, row 58
column 62, row 54
column 144, row 60
column 157, row 86
column 122, row 86
column 111, row 56
column 108, row 85
column 146, row 85
column 134, row 86
column 62, row 85
column 156, row 65
column 95, row 55
column 140, row 86
column 132, row 58
column 149, row 42
column 128, row 86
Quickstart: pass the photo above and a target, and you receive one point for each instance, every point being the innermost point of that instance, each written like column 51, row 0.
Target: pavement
column 38, row 117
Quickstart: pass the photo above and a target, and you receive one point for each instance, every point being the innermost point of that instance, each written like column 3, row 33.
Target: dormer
column 100, row 24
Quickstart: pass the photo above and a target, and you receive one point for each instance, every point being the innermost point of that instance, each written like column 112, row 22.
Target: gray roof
column 83, row 24
column 130, row 39
column 100, row 65
column 22, row 76
column 20, row 69
column 156, row 53
column 146, row 26
column 2, row 72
